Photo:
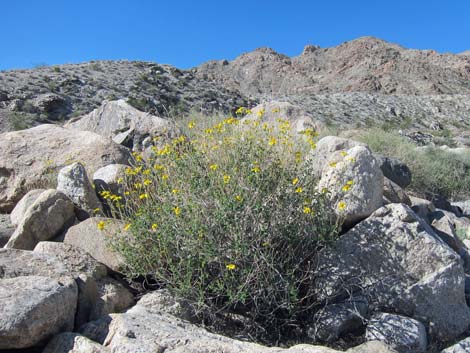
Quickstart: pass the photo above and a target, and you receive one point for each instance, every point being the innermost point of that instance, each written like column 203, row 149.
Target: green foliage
column 226, row 218
column 434, row 170
column 19, row 121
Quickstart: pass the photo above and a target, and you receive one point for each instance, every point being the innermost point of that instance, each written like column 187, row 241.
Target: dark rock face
column 395, row 170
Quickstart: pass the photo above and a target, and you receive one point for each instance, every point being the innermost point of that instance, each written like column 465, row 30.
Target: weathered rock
column 87, row 298
column 354, row 182
column 336, row 320
column 144, row 328
column 318, row 158
column 51, row 213
column 122, row 122
column 6, row 229
column 16, row 263
column 75, row 259
column 22, row 206
column 443, row 223
column 394, row 193
column 56, row 260
column 395, row 170
column 402, row 333
column 464, row 206
column 87, row 236
column 73, row 182
column 401, row 265
column 35, row 308
column 372, row 347
column 106, row 178
column 96, row 330
column 69, row 342
column 113, row 297
column 52, row 105
column 33, row 157
column 461, row 347
column 422, row 207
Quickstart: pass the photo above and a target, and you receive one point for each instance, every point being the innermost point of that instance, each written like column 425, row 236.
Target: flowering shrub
column 224, row 217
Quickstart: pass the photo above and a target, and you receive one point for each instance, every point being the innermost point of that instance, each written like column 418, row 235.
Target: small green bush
column 225, row 218
column 434, row 171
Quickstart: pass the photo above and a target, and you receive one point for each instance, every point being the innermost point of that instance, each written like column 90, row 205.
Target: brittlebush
column 224, row 217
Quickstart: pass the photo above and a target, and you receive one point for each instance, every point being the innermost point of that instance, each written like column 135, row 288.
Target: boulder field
column 397, row 277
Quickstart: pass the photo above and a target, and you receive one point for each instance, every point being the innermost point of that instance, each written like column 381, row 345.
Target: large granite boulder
column 402, row 266
column 122, row 122
column 354, row 183
column 22, row 206
column 73, row 182
column 402, row 333
column 34, row 308
column 32, row 158
column 49, row 214
column 92, row 235
column 76, row 260
column 69, row 342
column 319, row 157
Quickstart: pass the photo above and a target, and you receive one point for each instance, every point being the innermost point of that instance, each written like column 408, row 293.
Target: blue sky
column 188, row 32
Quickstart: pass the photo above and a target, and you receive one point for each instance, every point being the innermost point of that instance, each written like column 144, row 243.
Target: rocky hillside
column 56, row 93
column 364, row 81
column 363, row 65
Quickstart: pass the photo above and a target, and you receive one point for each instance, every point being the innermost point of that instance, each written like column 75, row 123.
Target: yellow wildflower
column 175, row 191
column 227, row 179
column 101, row 225
column 154, row 226
column 276, row 110
column 307, row 210
column 332, row 164
column 344, row 153
column 260, row 113
column 346, row 187
column 147, row 182
column 177, row 210
column 341, row 205
column 255, row 169
column 146, row 172
column 349, row 182
column 143, row 196
column 127, row 226
column 238, row 198
column 213, row 167
column 240, row 111
column 299, row 190
column 165, row 176
column 191, row 125
column 272, row 141
column 231, row 267
column 295, row 181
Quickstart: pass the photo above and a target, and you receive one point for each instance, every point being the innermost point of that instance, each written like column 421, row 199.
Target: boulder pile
column 398, row 277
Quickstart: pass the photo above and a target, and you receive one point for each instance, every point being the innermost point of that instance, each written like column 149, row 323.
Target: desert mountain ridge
column 362, row 79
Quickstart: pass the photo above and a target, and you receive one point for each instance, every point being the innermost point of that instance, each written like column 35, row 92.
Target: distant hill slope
column 363, row 65
column 358, row 80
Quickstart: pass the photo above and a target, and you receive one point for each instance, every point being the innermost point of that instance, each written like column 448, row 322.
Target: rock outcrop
column 402, row 266
column 32, row 158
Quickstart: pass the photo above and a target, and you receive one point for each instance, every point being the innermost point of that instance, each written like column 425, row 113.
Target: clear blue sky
column 187, row 32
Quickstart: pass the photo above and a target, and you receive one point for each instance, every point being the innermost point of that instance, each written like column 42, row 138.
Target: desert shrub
column 434, row 171
column 224, row 217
